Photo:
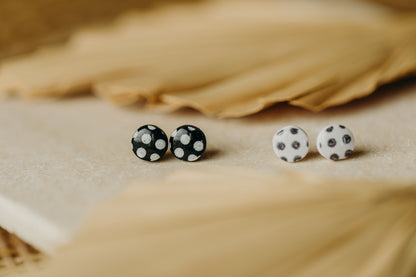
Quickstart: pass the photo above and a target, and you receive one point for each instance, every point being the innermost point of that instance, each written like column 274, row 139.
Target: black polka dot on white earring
column 149, row 143
column 291, row 144
column 187, row 143
column 335, row 142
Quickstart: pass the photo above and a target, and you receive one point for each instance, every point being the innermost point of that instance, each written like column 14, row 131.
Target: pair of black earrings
column 150, row 143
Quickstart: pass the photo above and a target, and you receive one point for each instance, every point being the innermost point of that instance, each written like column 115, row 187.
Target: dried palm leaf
column 234, row 222
column 251, row 55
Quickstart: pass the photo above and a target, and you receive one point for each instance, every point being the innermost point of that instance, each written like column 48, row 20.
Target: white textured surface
column 59, row 157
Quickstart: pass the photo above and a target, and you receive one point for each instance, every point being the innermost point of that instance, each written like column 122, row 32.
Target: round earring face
column 187, row 143
column 291, row 144
column 335, row 142
column 149, row 143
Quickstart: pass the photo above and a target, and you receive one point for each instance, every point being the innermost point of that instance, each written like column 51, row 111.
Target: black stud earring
column 149, row 143
column 187, row 143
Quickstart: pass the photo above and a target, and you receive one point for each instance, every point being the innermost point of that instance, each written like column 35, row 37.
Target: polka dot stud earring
column 187, row 143
column 335, row 142
column 149, row 143
column 291, row 144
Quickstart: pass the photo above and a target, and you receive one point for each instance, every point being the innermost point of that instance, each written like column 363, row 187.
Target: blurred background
column 27, row 24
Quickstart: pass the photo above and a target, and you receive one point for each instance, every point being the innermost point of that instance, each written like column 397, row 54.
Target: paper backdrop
column 58, row 158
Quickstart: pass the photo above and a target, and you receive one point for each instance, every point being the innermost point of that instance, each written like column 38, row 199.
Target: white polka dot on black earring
column 187, row 143
column 335, row 142
column 291, row 144
column 149, row 143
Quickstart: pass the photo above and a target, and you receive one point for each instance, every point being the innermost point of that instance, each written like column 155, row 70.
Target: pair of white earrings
column 334, row 142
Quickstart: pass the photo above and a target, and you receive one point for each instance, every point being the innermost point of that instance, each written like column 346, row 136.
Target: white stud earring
column 335, row 142
column 291, row 144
